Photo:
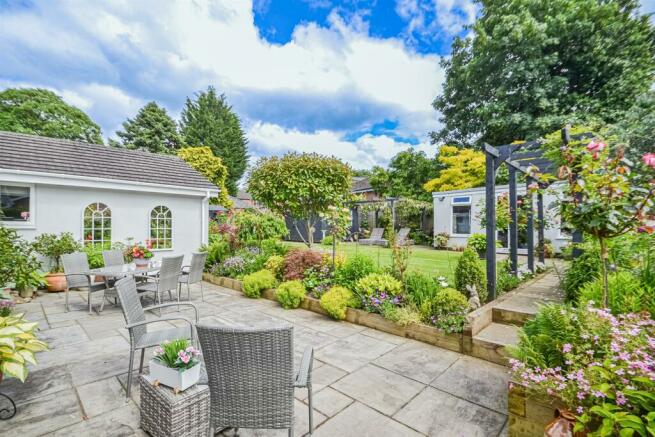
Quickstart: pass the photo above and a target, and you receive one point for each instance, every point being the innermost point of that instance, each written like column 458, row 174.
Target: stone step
column 489, row 344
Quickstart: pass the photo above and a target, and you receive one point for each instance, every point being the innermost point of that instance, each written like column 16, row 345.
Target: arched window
column 161, row 228
column 97, row 224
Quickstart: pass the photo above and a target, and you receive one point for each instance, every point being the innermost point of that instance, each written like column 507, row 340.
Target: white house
column 458, row 214
column 102, row 194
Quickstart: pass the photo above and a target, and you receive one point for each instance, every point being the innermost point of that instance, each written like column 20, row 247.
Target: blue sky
column 351, row 78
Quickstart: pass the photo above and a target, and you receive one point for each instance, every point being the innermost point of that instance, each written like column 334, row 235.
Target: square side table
column 164, row 413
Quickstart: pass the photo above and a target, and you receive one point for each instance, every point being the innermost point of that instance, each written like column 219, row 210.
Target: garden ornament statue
column 474, row 298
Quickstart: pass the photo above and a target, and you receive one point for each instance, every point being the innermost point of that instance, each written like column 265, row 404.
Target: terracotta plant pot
column 56, row 282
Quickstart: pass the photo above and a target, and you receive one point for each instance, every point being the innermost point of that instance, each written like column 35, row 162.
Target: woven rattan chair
column 137, row 327
column 251, row 378
column 76, row 266
column 192, row 274
column 167, row 280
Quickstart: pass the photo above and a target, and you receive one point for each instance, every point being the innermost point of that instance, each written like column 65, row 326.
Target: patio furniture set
column 247, row 376
column 376, row 239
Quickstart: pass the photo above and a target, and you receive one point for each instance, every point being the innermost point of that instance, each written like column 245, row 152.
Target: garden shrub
column 273, row 247
column 275, row 264
column 625, row 294
column 505, row 280
column 217, row 251
column 336, row 300
column 403, row 315
column 354, row 269
column 318, row 279
column 447, row 310
column 290, row 294
column 299, row 260
column 255, row 283
column 469, row 272
column 232, row 267
column 94, row 255
column 253, row 227
column 584, row 268
column 420, row 288
column 477, row 242
column 327, row 241
column 441, row 240
column 378, row 282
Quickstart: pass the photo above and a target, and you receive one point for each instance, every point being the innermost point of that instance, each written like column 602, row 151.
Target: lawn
column 422, row 259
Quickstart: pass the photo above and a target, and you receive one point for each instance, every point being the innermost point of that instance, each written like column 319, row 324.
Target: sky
column 351, row 78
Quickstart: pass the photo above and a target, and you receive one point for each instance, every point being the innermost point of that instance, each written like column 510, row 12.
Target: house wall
column 60, row 209
column 443, row 217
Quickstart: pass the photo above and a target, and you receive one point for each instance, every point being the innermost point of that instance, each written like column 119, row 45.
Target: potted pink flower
column 176, row 364
column 139, row 253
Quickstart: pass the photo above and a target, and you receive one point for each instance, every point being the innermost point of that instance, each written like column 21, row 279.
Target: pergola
column 518, row 157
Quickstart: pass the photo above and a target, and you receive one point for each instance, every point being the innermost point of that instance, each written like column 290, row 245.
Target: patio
column 365, row 382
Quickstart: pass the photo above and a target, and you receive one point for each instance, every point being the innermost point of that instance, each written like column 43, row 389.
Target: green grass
column 422, row 259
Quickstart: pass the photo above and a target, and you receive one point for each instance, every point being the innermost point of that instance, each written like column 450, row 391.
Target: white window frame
column 170, row 211
column 111, row 226
column 27, row 224
column 452, row 216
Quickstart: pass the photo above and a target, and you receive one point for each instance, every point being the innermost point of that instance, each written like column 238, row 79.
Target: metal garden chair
column 166, row 280
column 76, row 266
column 192, row 274
column 137, row 327
column 251, row 378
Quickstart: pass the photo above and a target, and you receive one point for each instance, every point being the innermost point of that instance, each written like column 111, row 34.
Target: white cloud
column 432, row 18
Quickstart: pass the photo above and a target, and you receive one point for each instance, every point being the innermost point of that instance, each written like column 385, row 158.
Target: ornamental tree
column 606, row 194
column 152, row 129
column 464, row 168
column 202, row 159
column 300, row 185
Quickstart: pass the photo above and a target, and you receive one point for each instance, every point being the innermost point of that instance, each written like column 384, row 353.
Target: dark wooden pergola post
column 540, row 228
column 354, row 226
column 490, row 183
column 530, row 224
column 513, row 226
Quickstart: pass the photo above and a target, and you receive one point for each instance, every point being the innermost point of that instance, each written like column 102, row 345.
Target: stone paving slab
column 366, row 382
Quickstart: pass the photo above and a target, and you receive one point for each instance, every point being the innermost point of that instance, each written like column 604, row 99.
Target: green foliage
column 441, row 240
column 625, row 294
column 302, row 185
column 174, row 353
column 290, row 294
column 255, row 283
column 275, row 264
column 505, row 279
column 273, row 247
column 420, row 288
column 208, row 120
column 203, row 160
column 253, row 227
column 217, row 251
column 582, row 269
column 327, row 241
column 402, row 315
column 469, row 272
column 532, row 66
column 19, row 344
column 478, row 242
column 41, row 112
column 17, row 262
column 378, row 283
column 447, row 310
column 637, row 125
column 54, row 246
column 407, row 173
column 336, row 300
column 354, row 269
column 463, row 168
column 152, row 129
column 94, row 255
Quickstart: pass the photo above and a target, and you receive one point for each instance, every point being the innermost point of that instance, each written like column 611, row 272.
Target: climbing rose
column 649, row 159
column 595, row 147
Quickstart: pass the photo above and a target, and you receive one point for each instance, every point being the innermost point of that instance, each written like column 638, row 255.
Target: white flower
column 444, row 284
column 441, row 278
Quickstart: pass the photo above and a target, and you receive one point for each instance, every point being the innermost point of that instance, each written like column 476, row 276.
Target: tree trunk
column 603, row 266
column 310, row 233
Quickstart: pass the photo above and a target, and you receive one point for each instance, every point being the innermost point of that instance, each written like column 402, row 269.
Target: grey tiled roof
column 53, row 155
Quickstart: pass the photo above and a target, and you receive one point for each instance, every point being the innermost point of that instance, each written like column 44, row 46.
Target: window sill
column 460, row 235
column 170, row 249
column 18, row 225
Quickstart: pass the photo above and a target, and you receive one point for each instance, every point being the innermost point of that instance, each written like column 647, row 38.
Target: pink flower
column 566, row 348
column 595, row 147
column 649, row 159
column 159, row 350
column 185, row 358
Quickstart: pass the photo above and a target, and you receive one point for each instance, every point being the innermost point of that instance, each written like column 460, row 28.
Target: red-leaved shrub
column 299, row 260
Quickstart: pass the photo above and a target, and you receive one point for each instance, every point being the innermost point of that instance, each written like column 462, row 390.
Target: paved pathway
column 366, row 383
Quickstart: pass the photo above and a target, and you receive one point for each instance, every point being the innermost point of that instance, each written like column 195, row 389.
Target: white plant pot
column 174, row 378
column 141, row 262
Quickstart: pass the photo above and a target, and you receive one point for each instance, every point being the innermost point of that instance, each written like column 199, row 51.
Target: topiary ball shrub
column 255, row 283
column 299, row 260
column 336, row 300
column 378, row 283
column 447, row 310
column 290, row 294
column 354, row 269
column 625, row 294
column 275, row 264
column 469, row 271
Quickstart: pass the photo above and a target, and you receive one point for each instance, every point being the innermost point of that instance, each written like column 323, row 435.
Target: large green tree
column 41, row 112
column 152, row 129
column 531, row 66
column 637, row 126
column 407, row 173
column 301, row 185
column 208, row 120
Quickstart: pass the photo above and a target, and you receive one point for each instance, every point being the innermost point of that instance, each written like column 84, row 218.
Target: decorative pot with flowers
column 53, row 246
column 176, row 364
column 139, row 254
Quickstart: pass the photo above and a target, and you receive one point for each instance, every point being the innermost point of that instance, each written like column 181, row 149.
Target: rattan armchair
column 251, row 378
column 166, row 280
column 76, row 268
column 136, row 321
column 192, row 274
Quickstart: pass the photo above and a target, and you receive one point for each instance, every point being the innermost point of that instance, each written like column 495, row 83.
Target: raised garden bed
column 415, row 331
column 529, row 415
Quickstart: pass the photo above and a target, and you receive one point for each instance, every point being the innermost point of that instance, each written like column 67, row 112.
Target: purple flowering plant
column 318, row 279
column 177, row 354
column 6, row 307
column 376, row 301
column 601, row 366
column 231, row 267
